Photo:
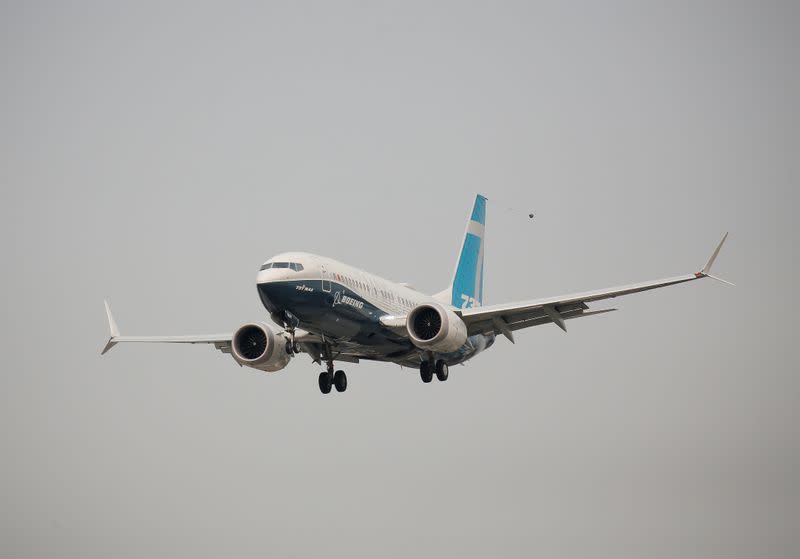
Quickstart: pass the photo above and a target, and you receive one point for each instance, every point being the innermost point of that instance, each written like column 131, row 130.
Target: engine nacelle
column 432, row 326
column 256, row 345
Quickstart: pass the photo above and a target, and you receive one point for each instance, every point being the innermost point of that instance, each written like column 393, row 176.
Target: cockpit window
column 296, row 266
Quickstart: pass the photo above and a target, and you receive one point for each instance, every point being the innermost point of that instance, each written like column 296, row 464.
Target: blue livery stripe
column 465, row 282
column 479, row 210
column 467, row 287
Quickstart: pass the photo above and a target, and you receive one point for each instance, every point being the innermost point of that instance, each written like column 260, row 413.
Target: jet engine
column 433, row 327
column 256, row 345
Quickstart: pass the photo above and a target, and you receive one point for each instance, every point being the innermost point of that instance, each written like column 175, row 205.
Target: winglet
column 705, row 272
column 112, row 326
column 720, row 279
column 707, row 268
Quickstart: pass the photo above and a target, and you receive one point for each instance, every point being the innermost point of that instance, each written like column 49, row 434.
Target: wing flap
column 513, row 322
column 547, row 320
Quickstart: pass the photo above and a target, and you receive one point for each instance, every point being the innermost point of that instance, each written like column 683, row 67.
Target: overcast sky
column 156, row 155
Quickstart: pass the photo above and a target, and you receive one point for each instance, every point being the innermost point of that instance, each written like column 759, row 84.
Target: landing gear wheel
column 442, row 371
column 426, row 371
column 325, row 382
column 340, row 381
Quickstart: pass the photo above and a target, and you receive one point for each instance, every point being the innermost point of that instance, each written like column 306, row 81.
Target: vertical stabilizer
column 466, row 289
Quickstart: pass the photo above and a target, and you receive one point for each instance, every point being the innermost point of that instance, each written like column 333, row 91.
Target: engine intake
column 427, row 323
column 431, row 326
column 256, row 345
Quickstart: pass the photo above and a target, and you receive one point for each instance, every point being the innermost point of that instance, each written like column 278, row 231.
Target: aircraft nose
column 273, row 274
column 277, row 296
column 268, row 295
column 277, row 271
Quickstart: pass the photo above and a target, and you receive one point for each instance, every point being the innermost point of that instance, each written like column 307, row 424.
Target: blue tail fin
column 467, row 287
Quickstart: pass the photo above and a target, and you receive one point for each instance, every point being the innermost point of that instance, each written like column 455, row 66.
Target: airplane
column 335, row 312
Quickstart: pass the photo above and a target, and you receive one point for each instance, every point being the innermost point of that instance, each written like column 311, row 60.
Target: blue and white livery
column 335, row 312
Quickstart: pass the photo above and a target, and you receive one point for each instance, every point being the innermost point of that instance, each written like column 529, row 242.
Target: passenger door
column 326, row 279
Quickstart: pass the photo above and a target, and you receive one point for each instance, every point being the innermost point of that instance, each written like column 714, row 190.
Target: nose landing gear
column 290, row 323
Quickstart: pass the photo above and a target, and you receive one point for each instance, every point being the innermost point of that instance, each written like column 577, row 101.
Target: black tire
column 325, row 382
column 426, row 372
column 340, row 381
column 442, row 371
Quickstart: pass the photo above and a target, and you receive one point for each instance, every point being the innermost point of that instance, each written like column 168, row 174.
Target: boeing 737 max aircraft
column 335, row 312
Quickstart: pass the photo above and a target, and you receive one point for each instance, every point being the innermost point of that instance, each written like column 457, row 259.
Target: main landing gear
column 329, row 379
column 428, row 368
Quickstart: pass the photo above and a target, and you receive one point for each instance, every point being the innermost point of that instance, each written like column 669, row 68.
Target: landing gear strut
column 291, row 345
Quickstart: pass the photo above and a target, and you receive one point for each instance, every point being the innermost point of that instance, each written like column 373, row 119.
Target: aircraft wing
column 506, row 318
column 221, row 341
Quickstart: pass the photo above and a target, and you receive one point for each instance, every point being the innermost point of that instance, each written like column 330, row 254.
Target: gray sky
column 156, row 155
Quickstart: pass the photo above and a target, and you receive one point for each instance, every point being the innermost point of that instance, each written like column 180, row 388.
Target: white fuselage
column 349, row 305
